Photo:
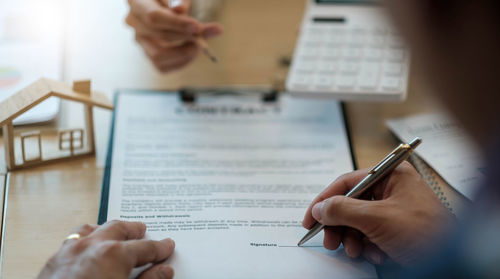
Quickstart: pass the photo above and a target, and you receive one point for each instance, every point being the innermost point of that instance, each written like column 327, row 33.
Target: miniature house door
column 26, row 149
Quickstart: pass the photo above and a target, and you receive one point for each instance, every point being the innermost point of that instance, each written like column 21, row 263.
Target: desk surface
column 45, row 204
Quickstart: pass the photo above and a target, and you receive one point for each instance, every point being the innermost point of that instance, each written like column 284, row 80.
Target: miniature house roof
column 41, row 90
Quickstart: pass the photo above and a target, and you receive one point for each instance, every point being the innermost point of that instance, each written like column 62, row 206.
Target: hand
column 110, row 251
column 167, row 35
column 404, row 220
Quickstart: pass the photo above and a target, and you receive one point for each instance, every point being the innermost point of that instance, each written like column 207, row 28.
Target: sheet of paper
column 229, row 179
column 445, row 147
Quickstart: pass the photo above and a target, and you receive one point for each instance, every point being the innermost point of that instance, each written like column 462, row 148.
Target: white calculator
column 348, row 50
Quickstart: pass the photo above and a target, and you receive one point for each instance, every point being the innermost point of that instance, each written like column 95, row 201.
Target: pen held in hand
column 202, row 43
column 379, row 171
column 199, row 40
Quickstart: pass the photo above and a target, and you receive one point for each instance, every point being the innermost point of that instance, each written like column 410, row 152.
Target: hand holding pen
column 397, row 216
column 166, row 32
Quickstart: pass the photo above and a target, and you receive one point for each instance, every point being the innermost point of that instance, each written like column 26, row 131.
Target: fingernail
column 169, row 240
column 167, row 272
column 316, row 211
column 211, row 33
column 347, row 250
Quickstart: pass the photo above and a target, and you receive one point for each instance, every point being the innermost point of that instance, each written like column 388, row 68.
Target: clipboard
column 189, row 95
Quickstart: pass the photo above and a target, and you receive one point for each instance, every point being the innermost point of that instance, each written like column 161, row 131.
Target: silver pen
column 389, row 163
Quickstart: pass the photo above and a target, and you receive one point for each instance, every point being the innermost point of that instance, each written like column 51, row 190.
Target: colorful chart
column 9, row 77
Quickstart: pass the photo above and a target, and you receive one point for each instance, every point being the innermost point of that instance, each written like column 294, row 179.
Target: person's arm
column 167, row 35
column 110, row 251
column 400, row 218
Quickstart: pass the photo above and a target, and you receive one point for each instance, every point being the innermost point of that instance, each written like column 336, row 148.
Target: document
column 445, row 147
column 229, row 179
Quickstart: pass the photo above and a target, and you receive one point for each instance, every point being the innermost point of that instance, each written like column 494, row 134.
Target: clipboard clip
column 189, row 94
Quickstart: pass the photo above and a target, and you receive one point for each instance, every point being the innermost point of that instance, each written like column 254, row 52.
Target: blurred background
column 70, row 40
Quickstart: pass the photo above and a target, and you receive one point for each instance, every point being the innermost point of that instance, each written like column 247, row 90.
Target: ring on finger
column 73, row 236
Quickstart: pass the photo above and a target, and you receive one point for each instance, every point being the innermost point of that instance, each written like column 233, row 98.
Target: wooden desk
column 45, row 204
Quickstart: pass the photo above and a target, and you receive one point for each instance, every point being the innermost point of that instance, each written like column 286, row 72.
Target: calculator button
column 324, row 82
column 368, row 82
column 379, row 31
column 337, row 32
column 393, row 69
column 374, row 54
column 346, row 82
column 370, row 68
column 327, row 67
column 305, row 67
column 395, row 42
column 376, row 40
column 391, row 83
column 352, row 53
column 302, row 81
column 313, row 44
column 336, row 38
column 331, row 53
column 395, row 55
column 349, row 68
column 314, row 30
column 333, row 44
column 308, row 52
column 357, row 40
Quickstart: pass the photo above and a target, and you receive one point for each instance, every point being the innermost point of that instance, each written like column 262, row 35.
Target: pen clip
column 392, row 154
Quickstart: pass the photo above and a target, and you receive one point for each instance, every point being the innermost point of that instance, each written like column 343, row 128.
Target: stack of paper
column 446, row 148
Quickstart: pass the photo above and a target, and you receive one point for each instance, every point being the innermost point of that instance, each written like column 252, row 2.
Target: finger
column 179, row 6
column 173, row 66
column 166, row 35
column 154, row 15
column 362, row 215
column 211, row 30
column 169, row 59
column 333, row 237
column 120, row 230
column 85, row 230
column 157, row 271
column 159, row 53
column 339, row 187
column 372, row 253
column 352, row 241
column 144, row 251
column 401, row 173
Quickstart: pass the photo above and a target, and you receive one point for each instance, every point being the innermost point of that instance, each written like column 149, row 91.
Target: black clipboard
column 189, row 95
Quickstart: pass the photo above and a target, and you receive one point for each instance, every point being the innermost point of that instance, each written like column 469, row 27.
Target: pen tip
column 301, row 242
column 210, row 55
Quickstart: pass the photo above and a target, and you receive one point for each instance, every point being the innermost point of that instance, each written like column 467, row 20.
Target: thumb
column 178, row 6
column 362, row 215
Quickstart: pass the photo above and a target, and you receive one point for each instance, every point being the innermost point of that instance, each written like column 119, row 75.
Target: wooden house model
column 72, row 143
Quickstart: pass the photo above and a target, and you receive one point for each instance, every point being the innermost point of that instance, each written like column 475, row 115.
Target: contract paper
column 229, row 179
column 446, row 148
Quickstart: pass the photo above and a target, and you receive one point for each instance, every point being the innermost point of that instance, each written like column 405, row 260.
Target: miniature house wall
column 71, row 140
